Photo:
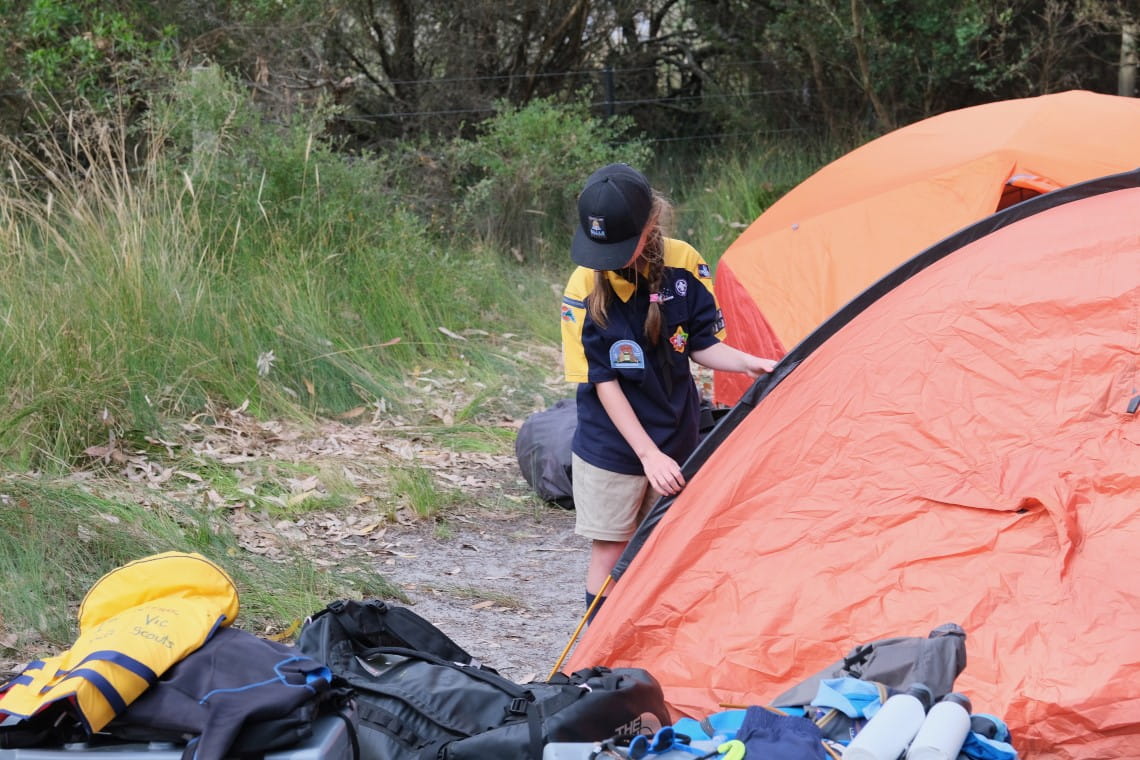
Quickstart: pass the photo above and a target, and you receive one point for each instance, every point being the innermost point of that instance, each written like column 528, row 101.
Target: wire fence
column 475, row 98
column 711, row 114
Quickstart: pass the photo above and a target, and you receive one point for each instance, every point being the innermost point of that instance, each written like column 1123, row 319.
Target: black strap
column 534, row 725
column 608, row 680
column 373, row 715
column 353, row 739
column 858, row 656
column 364, row 622
column 585, row 674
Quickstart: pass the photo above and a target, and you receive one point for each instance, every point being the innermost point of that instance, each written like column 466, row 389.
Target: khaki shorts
column 608, row 506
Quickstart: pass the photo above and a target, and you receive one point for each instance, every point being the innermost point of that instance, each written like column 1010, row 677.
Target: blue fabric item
column 724, row 724
column 692, row 729
column 850, row 696
column 666, row 740
column 990, row 726
column 769, row 734
column 727, row 723
column 978, row 747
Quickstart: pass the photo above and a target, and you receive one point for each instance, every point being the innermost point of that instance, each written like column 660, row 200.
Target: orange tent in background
column 959, row 443
column 865, row 213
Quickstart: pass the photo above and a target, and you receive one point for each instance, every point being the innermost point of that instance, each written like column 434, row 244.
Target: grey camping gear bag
column 412, row 703
column 893, row 665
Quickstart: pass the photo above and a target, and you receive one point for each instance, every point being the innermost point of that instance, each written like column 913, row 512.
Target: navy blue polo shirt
column 657, row 380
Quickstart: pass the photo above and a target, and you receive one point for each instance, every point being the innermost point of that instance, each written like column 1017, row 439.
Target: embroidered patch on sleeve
column 625, row 354
column 703, row 271
column 679, row 340
column 719, row 324
column 568, row 314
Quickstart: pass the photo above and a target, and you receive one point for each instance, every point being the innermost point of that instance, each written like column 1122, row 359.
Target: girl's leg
column 608, row 508
column 603, row 556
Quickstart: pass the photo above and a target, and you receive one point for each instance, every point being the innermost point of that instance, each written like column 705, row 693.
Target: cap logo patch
column 625, row 354
column 681, row 287
column 598, row 227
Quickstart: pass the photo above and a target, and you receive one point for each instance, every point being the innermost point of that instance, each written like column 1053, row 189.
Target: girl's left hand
column 754, row 366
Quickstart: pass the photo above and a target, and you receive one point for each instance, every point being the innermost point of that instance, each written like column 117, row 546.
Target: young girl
column 635, row 311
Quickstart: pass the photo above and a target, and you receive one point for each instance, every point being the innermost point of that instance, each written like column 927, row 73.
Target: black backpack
column 412, row 703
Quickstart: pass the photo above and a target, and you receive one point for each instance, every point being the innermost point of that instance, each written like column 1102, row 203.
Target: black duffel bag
column 417, row 705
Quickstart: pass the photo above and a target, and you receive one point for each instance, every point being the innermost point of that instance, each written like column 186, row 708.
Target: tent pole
column 581, row 625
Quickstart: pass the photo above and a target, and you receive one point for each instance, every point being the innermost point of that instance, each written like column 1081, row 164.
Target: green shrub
column 520, row 176
column 239, row 262
column 264, row 189
column 66, row 51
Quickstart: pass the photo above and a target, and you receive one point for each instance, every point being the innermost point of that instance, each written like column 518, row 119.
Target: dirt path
column 506, row 587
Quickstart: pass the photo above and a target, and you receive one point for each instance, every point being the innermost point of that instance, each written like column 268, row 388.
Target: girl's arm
column 663, row 472
column 728, row 359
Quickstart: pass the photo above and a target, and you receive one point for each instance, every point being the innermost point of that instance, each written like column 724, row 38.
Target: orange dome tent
column 862, row 215
column 961, row 442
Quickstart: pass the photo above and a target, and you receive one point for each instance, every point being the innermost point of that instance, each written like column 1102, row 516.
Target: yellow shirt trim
column 678, row 254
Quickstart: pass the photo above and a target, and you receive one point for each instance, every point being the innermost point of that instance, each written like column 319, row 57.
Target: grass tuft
column 56, row 540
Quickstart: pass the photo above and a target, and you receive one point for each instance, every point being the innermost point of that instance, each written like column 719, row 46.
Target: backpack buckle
column 519, row 706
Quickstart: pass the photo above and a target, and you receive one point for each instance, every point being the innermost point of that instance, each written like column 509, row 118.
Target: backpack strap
column 350, row 727
column 826, row 718
column 857, row 657
column 526, row 706
column 373, row 715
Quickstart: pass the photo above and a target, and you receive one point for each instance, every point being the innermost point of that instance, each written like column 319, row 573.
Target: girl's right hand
column 663, row 472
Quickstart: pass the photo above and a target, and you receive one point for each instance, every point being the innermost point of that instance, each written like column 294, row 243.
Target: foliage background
column 681, row 69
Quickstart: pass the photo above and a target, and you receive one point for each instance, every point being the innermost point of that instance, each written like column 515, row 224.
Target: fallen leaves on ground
column 282, row 479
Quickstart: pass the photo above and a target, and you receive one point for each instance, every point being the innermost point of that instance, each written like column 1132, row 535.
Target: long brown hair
column 651, row 249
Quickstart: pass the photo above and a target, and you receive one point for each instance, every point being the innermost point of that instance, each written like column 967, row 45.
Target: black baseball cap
column 613, row 208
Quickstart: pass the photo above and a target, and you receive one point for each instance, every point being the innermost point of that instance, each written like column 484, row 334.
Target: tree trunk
column 860, row 43
column 399, row 63
column 1126, row 83
column 820, row 81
